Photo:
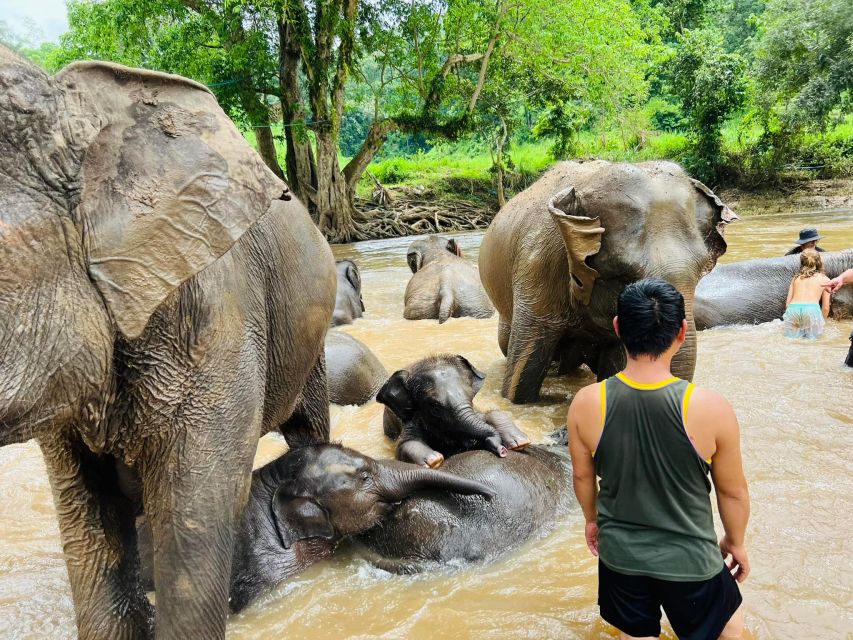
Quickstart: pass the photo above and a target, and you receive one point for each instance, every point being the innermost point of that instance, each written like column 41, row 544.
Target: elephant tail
column 447, row 303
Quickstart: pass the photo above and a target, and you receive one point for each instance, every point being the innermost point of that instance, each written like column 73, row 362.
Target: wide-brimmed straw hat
column 809, row 234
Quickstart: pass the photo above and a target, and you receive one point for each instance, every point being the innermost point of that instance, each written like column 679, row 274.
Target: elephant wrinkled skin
column 531, row 490
column 754, row 291
column 354, row 372
column 557, row 255
column 155, row 323
column 443, row 284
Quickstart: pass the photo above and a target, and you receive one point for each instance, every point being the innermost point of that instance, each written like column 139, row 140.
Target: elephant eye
column 365, row 476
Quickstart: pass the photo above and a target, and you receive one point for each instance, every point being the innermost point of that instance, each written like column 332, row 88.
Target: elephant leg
column 571, row 357
column 418, row 452
column 503, row 335
column 97, row 527
column 531, row 349
column 611, row 360
column 195, row 492
column 309, row 422
column 511, row 436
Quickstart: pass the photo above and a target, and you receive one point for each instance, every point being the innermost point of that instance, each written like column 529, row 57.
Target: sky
column 37, row 20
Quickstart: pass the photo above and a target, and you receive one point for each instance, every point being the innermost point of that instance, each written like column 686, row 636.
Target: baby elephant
column 353, row 372
column 531, row 490
column 304, row 503
column 349, row 304
column 429, row 411
column 444, row 284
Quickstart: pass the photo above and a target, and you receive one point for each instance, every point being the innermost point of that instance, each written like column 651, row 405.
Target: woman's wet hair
column 650, row 313
column 810, row 263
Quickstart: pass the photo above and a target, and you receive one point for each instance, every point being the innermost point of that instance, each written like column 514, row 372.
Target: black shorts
column 696, row 610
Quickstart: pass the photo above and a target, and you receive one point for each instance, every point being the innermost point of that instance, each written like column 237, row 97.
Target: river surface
column 794, row 401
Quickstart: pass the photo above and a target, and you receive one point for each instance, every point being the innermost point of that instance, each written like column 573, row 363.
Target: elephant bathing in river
column 429, row 411
column 557, row 255
column 531, row 490
column 349, row 304
column 354, row 373
column 443, row 285
column 754, row 291
column 155, row 323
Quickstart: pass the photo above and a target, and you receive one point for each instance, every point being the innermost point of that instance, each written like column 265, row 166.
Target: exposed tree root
column 414, row 217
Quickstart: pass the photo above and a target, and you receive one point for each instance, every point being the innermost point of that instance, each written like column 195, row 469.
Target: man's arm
column 584, row 411
column 839, row 281
column 729, row 482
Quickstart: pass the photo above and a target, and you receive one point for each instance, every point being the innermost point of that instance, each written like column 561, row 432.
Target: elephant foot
column 419, row 453
column 435, row 461
column 511, row 436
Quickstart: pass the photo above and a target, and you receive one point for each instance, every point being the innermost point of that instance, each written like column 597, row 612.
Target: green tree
column 711, row 86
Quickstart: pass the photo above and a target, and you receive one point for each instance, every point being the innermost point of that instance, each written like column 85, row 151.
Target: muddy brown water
column 795, row 405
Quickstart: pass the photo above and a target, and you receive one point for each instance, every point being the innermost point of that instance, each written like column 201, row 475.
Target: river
column 794, row 401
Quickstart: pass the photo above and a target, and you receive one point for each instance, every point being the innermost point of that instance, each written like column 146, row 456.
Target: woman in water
column 808, row 301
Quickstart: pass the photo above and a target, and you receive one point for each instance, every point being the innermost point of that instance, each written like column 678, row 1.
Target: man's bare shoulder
column 709, row 407
column 585, row 399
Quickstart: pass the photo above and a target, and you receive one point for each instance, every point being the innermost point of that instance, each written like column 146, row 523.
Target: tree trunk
column 335, row 211
column 299, row 157
column 266, row 148
column 376, row 137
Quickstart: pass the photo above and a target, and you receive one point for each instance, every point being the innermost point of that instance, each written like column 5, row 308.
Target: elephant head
column 422, row 252
column 433, row 402
column 329, row 492
column 657, row 223
column 116, row 186
column 348, row 272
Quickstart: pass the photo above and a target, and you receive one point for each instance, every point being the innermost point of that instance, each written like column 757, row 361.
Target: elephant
column 443, row 284
column 155, row 323
column 304, row 503
column 754, row 291
column 353, row 372
column 557, row 255
column 531, row 490
column 349, row 304
column 429, row 411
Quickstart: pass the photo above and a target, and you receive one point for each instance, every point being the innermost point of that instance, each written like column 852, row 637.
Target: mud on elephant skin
column 153, row 294
column 304, row 503
column 557, row 255
column 443, row 283
column 354, row 372
column 349, row 305
column 531, row 491
column 429, row 411
column 754, row 291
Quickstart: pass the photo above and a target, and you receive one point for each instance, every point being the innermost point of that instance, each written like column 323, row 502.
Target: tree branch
column 379, row 131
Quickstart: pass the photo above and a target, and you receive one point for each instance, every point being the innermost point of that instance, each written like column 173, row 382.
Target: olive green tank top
column 654, row 505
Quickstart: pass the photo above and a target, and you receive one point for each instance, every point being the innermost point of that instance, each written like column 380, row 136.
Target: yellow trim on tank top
column 685, row 404
column 603, row 393
column 643, row 386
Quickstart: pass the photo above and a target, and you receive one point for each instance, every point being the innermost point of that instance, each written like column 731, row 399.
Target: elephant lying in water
column 531, row 490
column 429, row 411
column 754, row 291
column 354, row 372
column 557, row 255
column 304, row 503
column 443, row 285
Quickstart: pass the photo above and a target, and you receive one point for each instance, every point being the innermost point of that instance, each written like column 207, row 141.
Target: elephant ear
column 477, row 376
column 168, row 183
column 582, row 239
column 712, row 222
column 415, row 260
column 454, row 248
column 353, row 275
column 395, row 395
column 297, row 518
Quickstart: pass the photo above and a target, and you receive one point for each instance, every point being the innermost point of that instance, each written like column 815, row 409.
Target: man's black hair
column 650, row 313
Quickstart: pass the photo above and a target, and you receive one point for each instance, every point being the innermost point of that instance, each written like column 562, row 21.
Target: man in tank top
column 652, row 440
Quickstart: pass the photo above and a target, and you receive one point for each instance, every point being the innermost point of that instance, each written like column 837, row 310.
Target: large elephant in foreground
column 754, row 291
column 557, row 255
column 155, row 323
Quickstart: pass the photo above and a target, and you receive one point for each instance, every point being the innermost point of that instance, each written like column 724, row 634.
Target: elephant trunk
column 398, row 480
column 684, row 362
column 473, row 425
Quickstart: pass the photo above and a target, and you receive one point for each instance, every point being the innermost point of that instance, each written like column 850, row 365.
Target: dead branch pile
column 417, row 216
